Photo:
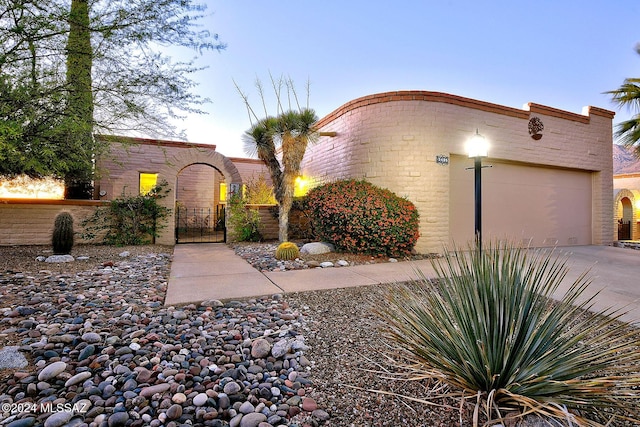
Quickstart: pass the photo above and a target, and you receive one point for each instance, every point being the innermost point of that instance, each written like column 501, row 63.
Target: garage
column 529, row 204
column 550, row 184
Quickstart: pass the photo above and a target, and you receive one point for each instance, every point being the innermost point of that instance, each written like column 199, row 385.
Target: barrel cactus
column 287, row 251
column 62, row 239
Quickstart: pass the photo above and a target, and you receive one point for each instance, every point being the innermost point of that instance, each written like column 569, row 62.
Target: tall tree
column 62, row 62
column 628, row 95
column 287, row 136
column 77, row 133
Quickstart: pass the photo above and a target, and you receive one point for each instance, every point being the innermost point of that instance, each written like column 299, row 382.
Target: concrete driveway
column 213, row 271
column 615, row 273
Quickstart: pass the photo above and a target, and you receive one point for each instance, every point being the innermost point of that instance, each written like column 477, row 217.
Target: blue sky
column 563, row 54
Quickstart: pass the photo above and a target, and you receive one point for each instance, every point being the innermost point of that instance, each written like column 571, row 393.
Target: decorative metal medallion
column 535, row 128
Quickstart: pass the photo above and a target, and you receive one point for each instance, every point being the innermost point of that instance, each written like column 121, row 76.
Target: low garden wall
column 30, row 221
column 268, row 224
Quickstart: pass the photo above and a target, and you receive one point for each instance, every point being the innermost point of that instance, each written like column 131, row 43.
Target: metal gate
column 624, row 230
column 201, row 225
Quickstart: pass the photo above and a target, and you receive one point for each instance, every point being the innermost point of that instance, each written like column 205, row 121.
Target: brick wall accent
column 268, row 224
column 30, row 222
column 392, row 140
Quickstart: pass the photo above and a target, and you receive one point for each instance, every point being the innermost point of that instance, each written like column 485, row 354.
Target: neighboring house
column 626, row 194
column 550, row 182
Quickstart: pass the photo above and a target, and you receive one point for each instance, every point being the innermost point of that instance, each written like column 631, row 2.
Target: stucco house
column 550, row 182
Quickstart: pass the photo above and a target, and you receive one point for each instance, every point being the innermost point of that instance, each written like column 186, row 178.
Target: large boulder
column 317, row 248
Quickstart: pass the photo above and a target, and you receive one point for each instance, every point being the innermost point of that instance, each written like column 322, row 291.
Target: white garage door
column 523, row 203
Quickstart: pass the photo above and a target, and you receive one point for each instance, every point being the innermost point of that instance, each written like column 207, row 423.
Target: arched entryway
column 624, row 223
column 200, row 205
column 625, row 216
column 189, row 163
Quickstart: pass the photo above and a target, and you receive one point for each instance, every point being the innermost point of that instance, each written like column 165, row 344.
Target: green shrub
column 358, row 217
column 488, row 327
column 258, row 191
column 244, row 223
column 287, row 251
column 63, row 234
column 135, row 220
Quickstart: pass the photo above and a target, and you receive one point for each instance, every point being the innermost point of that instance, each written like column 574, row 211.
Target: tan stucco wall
column 30, row 222
column 392, row 139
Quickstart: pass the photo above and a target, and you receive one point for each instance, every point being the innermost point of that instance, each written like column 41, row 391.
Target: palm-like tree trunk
column 294, row 129
column 293, row 149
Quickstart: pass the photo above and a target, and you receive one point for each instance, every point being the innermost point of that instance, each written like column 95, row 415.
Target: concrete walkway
column 202, row 272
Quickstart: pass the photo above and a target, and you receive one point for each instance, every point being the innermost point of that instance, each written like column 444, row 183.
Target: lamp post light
column 477, row 148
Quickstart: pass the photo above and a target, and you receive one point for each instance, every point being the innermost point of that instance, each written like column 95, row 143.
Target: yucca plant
column 287, row 251
column 488, row 327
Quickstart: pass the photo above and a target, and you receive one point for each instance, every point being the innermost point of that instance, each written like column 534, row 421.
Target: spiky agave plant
column 488, row 327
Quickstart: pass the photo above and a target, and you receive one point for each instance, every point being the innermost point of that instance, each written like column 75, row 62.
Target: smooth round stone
column 260, row 348
column 179, row 315
column 200, row 399
column 130, row 385
column 232, row 387
column 157, row 388
column 91, row 337
column 52, row 371
column 108, row 391
column 78, row 378
column 87, row 352
column 320, row 415
column 174, row 412
column 246, row 408
column 223, row 401
column 135, row 346
column 253, row 419
column 58, row 419
column 309, row 405
column 118, row 419
column 144, row 375
column 179, row 398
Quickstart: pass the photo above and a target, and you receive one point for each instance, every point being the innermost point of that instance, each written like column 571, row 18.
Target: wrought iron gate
column 201, row 225
column 624, row 230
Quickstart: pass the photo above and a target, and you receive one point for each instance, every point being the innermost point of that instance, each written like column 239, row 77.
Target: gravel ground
column 338, row 327
column 349, row 368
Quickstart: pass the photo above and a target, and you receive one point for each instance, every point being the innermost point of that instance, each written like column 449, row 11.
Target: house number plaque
column 442, row 159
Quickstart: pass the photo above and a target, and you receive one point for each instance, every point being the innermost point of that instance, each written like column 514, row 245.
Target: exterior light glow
column 477, row 146
column 301, row 186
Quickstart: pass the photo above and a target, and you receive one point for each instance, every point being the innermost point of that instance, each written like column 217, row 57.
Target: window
column 147, row 182
column 223, row 192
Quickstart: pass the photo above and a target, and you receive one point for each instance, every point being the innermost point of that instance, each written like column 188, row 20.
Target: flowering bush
column 356, row 216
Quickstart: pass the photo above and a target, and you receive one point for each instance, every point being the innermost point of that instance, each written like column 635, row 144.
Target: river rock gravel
column 104, row 351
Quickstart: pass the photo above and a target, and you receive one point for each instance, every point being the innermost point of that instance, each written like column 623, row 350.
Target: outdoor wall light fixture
column 477, row 148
